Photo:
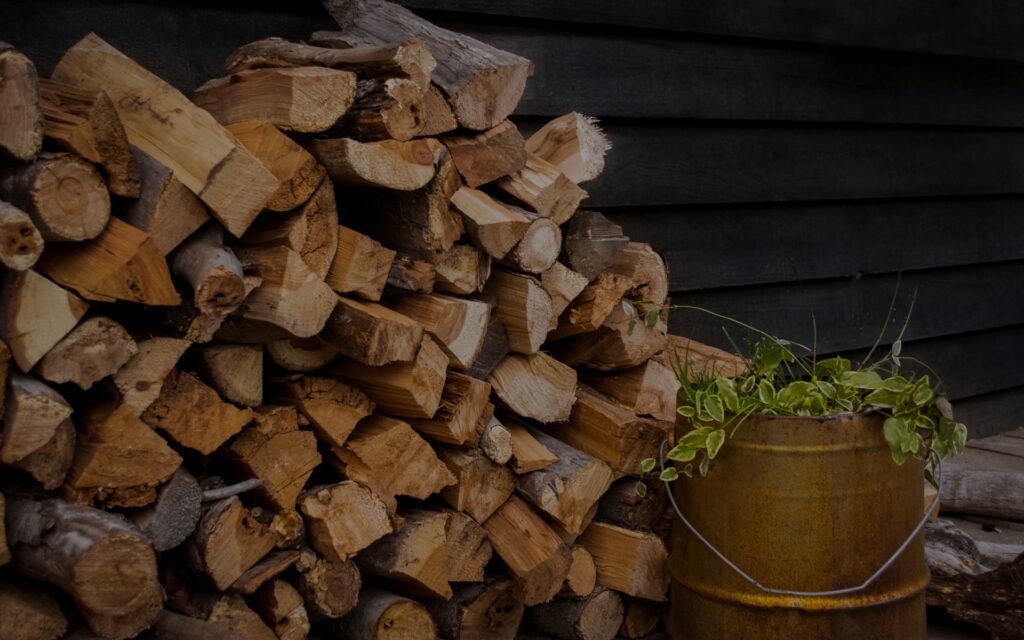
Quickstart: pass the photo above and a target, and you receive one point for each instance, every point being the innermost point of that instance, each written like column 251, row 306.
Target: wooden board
column 991, row 413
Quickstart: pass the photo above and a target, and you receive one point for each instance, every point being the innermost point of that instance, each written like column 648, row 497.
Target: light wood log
column 463, row 401
column 361, row 265
column 623, row 507
column 174, row 514
column 463, row 271
column 582, row 576
column 49, row 464
column 539, row 248
column 574, row 144
column 490, row 610
column 494, row 349
column 372, row 334
column 281, row 607
column 193, row 415
column 32, row 414
column 459, row 325
column 483, row 84
column 382, row 615
column 300, row 354
column 486, row 156
column 119, row 461
column 568, row 489
column 592, row 307
column 696, row 361
column 165, row 209
column 632, row 562
column 86, row 123
column 623, row 341
column 385, row 108
column 543, row 188
column 591, row 243
column 333, row 408
column 407, row 274
column 493, row 227
column 388, row 164
column 597, row 616
column 640, row 618
column 291, row 296
column 523, row 306
column 528, row 454
column 21, row 244
column 647, row 390
column 228, row 541
column 293, row 166
column 235, row 371
column 496, row 441
column 21, row 134
column 330, row 589
column 438, row 117
column 535, row 386
column 563, row 285
column 536, row 556
column 301, row 99
column 140, row 380
column 174, row 131
column 414, row 559
column 95, row 349
column 404, row 389
column 63, row 194
column 231, row 611
column 27, row 612
column 467, row 547
column 482, row 485
column 343, row 519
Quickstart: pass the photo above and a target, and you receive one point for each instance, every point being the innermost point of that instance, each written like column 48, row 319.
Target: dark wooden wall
column 792, row 159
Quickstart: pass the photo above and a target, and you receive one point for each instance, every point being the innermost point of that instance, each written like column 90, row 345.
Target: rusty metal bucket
column 801, row 504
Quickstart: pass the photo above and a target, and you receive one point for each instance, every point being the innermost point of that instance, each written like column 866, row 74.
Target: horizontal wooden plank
column 983, row 28
column 850, row 313
column 607, row 73
column 991, row 413
column 724, row 246
column 656, row 162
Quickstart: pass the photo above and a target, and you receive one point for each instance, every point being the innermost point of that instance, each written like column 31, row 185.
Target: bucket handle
column 811, row 594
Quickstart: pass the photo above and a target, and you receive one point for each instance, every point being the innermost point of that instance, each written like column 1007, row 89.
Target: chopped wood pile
column 328, row 349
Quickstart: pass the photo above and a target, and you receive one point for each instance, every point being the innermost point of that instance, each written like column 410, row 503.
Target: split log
column 21, row 134
column 291, row 296
column 388, row 164
column 27, row 612
column 171, row 626
column 697, row 361
column 438, row 117
column 409, row 274
column 483, row 84
column 535, row 386
column 97, row 558
column 591, row 243
column 567, row 490
column 541, row 187
column 606, row 430
column 300, row 354
column 493, row 227
column 464, row 271
column 193, row 415
column 372, row 334
column 623, row 507
column 494, row 349
column 122, row 263
column 496, row 441
column 647, row 390
column 165, row 209
column 623, row 341
column 563, row 285
column 410, row 59
column 596, row 616
column 490, row 610
column 536, row 556
column 20, row 242
column 482, row 485
column 467, row 547
column 459, row 325
column 33, row 413
column 484, row 157
column 403, row 389
column 382, row 615
column 235, row 371
column 343, row 519
column 591, row 308
column 330, row 589
column 140, row 380
column 640, row 618
column 300, row 99
column 361, row 265
column 574, row 144
column 293, row 166
column 228, row 541
column 463, row 402
column 231, row 611
column 539, row 248
column 280, row 455
column 415, row 558
column 582, row 576
column 86, row 123
column 272, row 565
column 527, row 453
column 49, row 464
column 632, row 562
column 95, row 349
column 523, row 306
column 119, row 461
column 333, row 408
column 63, row 194
column 203, row 155
column 281, row 607
column 368, row 457
column 385, row 108
column 174, row 514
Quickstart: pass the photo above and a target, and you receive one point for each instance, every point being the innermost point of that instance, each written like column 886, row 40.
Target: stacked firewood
column 328, row 350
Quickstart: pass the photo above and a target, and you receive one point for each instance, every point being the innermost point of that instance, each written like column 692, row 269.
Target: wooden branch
column 463, row 401
column 407, row 274
column 228, row 541
column 361, row 265
column 535, row 386
column 343, row 519
column 468, row 549
column 389, row 164
column 697, row 361
column 647, row 390
column 86, row 123
column 382, row 615
column 563, row 285
column 492, row 226
column 483, row 84
column 293, row 166
column 140, row 380
column 536, row 556
column 63, row 194
column 543, row 188
column 582, row 574
column 986, row 492
column 32, row 414
column 235, row 371
column 21, row 134
column 281, row 607
column 165, row 209
column 459, row 325
column 174, row 514
column 95, row 349
column 29, row 613
column 227, row 491
column 20, row 242
column 404, row 389
column 415, row 558
column 372, row 334
column 333, row 408
column 482, row 485
column 438, row 117
column 463, row 271
column 591, row 243
column 494, row 349
column 299, row 354
column 330, row 589
column 212, row 270
column 49, row 463
column 484, row 157
column 527, row 453
column 623, row 507
column 574, row 144
column 632, row 562
column 385, row 108
column 492, row 609
column 597, row 616
column 193, row 415
column 496, row 441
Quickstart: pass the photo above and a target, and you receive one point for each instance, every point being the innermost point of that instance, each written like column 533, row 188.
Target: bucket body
column 804, row 504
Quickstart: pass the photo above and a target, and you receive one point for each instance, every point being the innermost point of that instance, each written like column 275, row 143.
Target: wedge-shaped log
column 543, row 188
column 343, row 519
column 235, row 371
column 193, row 415
column 281, row 607
column 294, row 167
column 591, row 308
column 523, row 306
column 203, row 155
column 301, row 99
column 535, row 386
column 95, row 349
column 463, row 402
column 86, row 123
column 174, row 514
column 528, row 454
column 438, row 117
column 464, row 270
column 333, row 408
column 139, row 381
column 330, row 589
column 459, row 325
column 33, row 413
column 484, row 157
column 582, row 575
column 494, row 349
column 404, row 389
column 414, row 559
column 371, row 333
column 388, row 164
column 591, row 243
column 21, row 134
column 361, row 265
column 492, row 226
column 291, row 297
column 229, row 540
column 29, row 613
column 385, row 108
column 21, row 244
column 536, row 556
column 299, row 354
column 272, row 565
column 482, row 487
column 563, row 285
column 382, row 615
column 492, row 609
column 596, row 616
column 468, row 549
column 647, row 390
column 574, row 144
column 632, row 562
